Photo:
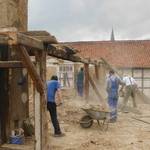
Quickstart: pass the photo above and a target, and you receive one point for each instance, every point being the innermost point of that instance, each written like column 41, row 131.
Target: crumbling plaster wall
column 13, row 13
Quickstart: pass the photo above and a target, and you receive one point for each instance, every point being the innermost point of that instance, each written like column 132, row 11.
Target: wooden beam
column 4, row 39
column 46, row 39
column 45, row 137
column 38, row 113
column 37, row 119
column 97, row 72
column 10, row 35
column 32, row 70
column 103, row 102
column 140, row 120
column 29, row 41
column 11, row 64
column 110, row 67
column 36, row 33
column 42, row 35
column 60, row 52
column 86, row 84
column 142, row 79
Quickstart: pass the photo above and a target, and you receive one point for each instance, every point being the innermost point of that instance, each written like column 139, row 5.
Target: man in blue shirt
column 53, row 89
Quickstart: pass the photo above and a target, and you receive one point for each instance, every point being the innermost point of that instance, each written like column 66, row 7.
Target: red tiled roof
column 117, row 53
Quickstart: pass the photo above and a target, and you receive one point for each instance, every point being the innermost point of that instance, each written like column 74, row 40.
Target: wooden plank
column 103, row 102
column 16, row 147
column 86, row 83
column 146, row 116
column 42, row 35
column 8, row 29
column 95, row 88
column 11, row 64
column 29, row 41
column 37, row 33
column 141, row 120
column 32, row 70
column 110, row 67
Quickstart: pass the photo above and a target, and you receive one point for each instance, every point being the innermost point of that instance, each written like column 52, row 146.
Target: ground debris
column 125, row 134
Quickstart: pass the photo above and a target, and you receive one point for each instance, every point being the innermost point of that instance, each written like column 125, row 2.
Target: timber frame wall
column 141, row 75
column 22, row 45
column 40, row 44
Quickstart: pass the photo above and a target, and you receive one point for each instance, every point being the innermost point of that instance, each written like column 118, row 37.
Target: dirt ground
column 126, row 134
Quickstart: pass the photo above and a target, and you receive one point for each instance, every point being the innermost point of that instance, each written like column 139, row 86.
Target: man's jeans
column 113, row 101
column 53, row 114
column 80, row 89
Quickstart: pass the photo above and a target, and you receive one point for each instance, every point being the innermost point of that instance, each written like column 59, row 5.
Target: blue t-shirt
column 52, row 87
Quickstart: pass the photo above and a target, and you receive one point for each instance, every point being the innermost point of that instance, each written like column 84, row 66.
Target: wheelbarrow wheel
column 86, row 121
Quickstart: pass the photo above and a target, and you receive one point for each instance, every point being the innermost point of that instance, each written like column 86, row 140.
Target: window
column 66, row 75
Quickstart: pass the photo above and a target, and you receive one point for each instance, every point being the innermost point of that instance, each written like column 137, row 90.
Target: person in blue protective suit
column 80, row 82
column 112, row 89
column 53, row 89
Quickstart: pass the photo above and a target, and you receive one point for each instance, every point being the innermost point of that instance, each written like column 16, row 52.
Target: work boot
column 112, row 120
column 59, row 135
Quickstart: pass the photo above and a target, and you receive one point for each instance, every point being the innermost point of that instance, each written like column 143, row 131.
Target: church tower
column 112, row 38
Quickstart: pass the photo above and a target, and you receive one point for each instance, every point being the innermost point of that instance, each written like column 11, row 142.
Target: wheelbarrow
column 101, row 116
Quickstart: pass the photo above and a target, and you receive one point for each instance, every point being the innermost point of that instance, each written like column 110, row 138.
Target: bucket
column 17, row 139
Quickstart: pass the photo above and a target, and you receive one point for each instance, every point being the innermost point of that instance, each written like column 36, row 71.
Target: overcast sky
column 78, row 20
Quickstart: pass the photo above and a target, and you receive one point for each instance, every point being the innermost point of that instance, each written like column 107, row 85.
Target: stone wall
column 13, row 13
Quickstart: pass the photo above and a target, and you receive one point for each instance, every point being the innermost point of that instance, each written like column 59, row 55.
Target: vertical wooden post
column 86, row 83
column 38, row 75
column 103, row 103
column 41, row 60
column 44, row 103
column 37, row 122
column 97, row 72
column 142, row 71
column 37, row 109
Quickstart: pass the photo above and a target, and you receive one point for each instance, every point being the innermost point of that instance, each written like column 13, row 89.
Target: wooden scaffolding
column 39, row 44
column 17, row 45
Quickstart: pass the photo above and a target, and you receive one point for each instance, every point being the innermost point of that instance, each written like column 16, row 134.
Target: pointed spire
column 112, row 35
